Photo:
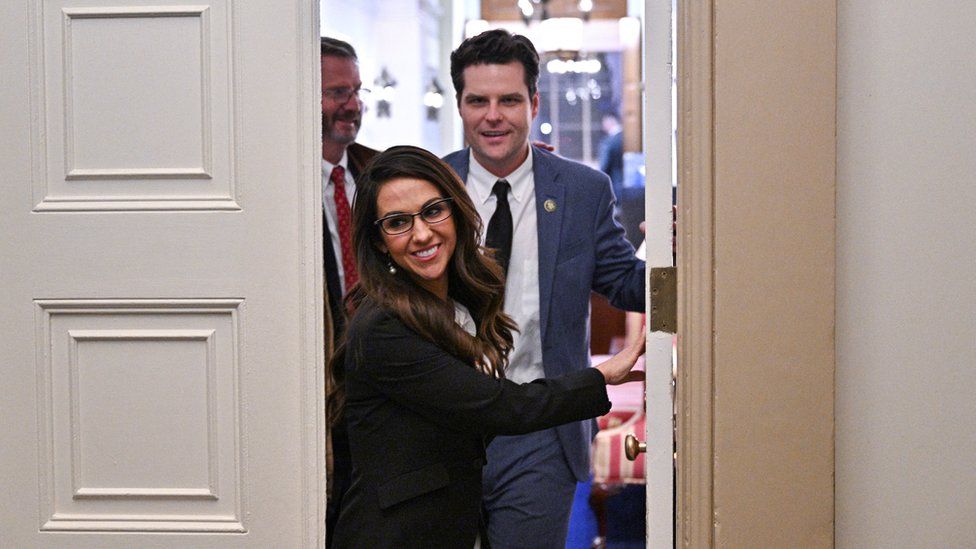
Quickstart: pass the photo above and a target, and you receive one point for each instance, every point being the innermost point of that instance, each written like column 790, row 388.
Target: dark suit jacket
column 359, row 156
column 581, row 248
column 418, row 419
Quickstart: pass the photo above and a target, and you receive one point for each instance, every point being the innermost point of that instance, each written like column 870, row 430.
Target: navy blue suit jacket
column 581, row 248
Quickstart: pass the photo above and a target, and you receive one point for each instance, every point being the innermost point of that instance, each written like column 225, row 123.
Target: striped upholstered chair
column 612, row 471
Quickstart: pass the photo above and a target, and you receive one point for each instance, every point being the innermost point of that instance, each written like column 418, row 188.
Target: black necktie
column 499, row 235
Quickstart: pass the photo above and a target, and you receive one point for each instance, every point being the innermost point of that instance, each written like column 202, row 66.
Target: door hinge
column 664, row 299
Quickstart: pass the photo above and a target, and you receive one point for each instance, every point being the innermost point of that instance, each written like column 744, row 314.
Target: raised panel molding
column 71, row 17
column 140, row 415
column 208, row 341
column 98, row 143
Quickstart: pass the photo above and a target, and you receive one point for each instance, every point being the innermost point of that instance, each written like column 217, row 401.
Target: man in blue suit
column 551, row 220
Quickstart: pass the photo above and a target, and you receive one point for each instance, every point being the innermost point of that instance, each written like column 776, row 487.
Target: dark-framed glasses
column 342, row 95
column 400, row 223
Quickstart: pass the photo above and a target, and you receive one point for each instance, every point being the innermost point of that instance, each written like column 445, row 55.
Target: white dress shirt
column 463, row 318
column 522, row 285
column 328, row 203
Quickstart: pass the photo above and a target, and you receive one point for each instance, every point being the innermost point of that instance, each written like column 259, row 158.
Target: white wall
column 906, row 275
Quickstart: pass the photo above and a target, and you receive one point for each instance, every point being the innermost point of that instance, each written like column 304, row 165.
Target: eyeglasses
column 400, row 223
column 342, row 95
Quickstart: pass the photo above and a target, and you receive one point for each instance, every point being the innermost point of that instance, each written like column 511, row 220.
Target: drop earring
column 389, row 264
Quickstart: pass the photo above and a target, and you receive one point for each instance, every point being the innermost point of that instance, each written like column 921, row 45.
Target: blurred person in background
column 611, row 153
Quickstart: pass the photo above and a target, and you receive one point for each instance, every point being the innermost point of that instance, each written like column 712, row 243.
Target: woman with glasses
column 419, row 375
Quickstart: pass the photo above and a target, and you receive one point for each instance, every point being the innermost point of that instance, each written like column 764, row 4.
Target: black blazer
column 418, row 421
column 359, row 157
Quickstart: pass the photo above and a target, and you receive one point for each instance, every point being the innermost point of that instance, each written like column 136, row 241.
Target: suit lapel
column 356, row 163
column 332, row 280
column 459, row 161
column 358, row 157
column 548, row 191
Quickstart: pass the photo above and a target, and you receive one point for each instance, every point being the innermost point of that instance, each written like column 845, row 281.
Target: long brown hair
column 474, row 279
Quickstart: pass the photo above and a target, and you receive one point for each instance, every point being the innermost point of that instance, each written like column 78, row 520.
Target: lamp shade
column 560, row 34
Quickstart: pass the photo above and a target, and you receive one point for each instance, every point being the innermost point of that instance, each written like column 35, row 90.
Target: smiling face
column 425, row 251
column 340, row 120
column 497, row 112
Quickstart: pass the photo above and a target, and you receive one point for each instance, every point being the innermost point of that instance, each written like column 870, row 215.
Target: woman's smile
column 424, row 250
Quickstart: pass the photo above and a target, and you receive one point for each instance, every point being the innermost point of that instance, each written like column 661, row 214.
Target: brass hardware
column 632, row 447
column 664, row 299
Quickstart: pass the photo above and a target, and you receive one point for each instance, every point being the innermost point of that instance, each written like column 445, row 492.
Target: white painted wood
column 658, row 133
column 160, row 282
column 161, row 140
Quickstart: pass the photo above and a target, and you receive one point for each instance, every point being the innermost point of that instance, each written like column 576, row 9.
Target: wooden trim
column 695, row 258
column 756, row 155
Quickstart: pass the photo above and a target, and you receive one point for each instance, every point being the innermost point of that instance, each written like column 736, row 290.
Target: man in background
column 342, row 161
column 611, row 153
column 551, row 221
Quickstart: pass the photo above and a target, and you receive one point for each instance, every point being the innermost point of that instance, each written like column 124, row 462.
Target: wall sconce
column 434, row 99
column 385, row 85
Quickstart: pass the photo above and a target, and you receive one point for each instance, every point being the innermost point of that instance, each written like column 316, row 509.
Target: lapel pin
column 549, row 205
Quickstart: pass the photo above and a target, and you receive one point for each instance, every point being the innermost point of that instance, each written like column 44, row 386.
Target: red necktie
column 344, row 221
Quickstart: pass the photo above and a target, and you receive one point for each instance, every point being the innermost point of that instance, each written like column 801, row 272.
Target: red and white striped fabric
column 614, row 418
column 610, row 464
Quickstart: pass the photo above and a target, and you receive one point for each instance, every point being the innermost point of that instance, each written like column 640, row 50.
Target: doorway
column 622, row 69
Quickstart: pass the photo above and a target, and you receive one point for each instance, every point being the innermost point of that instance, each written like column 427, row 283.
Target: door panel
column 162, row 343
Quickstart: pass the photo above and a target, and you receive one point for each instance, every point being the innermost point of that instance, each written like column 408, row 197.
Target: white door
column 160, row 331
column 658, row 133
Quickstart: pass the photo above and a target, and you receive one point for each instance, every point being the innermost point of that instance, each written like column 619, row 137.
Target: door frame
column 694, row 259
column 312, row 292
column 756, row 166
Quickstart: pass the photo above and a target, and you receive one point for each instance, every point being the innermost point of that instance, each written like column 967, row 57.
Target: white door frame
column 313, row 289
column 658, row 133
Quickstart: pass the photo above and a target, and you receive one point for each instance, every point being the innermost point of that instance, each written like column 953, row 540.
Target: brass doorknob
column 632, row 447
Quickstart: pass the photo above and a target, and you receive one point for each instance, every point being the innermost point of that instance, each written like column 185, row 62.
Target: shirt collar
column 464, row 319
column 482, row 181
column 328, row 166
